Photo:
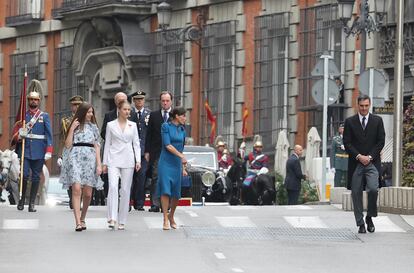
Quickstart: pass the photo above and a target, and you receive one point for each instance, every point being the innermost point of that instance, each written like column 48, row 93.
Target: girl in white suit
column 122, row 155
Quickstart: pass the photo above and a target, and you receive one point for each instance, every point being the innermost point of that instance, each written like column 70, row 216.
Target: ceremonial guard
column 37, row 134
column 75, row 101
column 257, row 163
column 142, row 118
column 339, row 158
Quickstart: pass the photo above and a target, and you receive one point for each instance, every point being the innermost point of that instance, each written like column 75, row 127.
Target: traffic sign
column 332, row 69
column 317, row 92
column 379, row 83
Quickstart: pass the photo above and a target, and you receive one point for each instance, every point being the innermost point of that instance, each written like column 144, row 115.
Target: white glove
column 48, row 156
column 333, row 170
column 59, row 161
column 242, row 145
column 263, row 170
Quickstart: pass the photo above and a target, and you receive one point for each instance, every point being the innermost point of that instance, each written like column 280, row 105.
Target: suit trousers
column 138, row 187
column 293, row 197
column 126, row 175
column 155, row 201
column 371, row 175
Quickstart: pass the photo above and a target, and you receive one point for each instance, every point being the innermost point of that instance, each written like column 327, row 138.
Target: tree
column 408, row 146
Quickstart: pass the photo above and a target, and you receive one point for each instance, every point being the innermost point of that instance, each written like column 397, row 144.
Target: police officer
column 339, row 158
column 75, row 101
column 142, row 117
column 38, row 147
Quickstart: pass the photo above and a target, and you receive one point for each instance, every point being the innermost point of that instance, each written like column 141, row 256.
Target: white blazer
column 118, row 150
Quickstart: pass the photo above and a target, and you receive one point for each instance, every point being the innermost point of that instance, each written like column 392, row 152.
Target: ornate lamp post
column 192, row 33
column 362, row 24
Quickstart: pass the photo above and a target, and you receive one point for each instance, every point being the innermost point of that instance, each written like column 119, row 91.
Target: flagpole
column 23, row 116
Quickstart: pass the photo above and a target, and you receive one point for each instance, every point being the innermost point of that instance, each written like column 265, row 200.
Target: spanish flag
column 244, row 118
column 212, row 119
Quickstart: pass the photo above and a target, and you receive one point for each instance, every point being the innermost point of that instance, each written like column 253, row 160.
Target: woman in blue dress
column 171, row 163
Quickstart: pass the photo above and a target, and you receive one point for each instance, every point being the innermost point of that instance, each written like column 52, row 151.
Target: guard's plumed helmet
column 258, row 144
column 34, row 90
column 220, row 143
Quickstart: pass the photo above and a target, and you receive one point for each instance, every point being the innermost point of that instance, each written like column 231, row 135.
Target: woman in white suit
column 122, row 155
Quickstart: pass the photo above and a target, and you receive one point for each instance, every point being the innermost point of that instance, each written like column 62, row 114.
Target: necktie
column 139, row 115
column 165, row 117
column 363, row 123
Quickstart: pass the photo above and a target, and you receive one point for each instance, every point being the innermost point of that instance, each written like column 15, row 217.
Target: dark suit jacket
column 153, row 141
column 365, row 142
column 142, row 127
column 293, row 174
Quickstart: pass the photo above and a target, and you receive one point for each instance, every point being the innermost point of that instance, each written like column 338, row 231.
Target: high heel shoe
column 83, row 224
column 111, row 224
column 173, row 224
column 121, row 227
column 78, row 227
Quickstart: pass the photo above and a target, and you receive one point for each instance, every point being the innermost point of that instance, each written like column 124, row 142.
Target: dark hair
column 166, row 93
column 363, row 97
column 177, row 112
column 81, row 114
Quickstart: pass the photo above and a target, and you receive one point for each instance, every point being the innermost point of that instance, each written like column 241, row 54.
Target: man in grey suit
column 142, row 118
column 294, row 175
column 364, row 138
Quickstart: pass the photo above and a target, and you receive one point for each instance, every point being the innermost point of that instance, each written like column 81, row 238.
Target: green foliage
column 308, row 192
column 408, row 146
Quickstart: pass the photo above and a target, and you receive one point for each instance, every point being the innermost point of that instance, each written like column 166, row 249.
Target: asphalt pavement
column 210, row 239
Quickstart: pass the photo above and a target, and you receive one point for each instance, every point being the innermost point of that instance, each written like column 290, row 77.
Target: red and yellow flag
column 21, row 112
column 244, row 118
column 212, row 119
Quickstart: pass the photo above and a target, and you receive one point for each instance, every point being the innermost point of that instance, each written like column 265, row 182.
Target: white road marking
column 219, row 255
column 305, row 221
column 409, row 219
column 191, row 213
column 242, row 207
column 156, row 222
column 384, row 224
column 237, row 270
column 338, row 206
column 301, row 207
column 235, row 221
column 20, row 224
column 96, row 223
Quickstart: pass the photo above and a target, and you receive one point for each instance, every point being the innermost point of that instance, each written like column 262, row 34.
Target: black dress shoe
column 20, row 206
column 370, row 224
column 362, row 229
column 154, row 209
column 31, row 208
column 140, row 208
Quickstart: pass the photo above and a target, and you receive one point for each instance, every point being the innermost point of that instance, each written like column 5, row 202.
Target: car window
column 201, row 159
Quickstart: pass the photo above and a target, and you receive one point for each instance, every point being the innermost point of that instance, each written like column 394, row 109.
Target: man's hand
column 104, row 169
column 364, row 159
column 147, row 157
column 48, row 156
column 59, row 162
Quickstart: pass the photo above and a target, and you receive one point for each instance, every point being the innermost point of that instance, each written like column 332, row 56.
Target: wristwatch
column 370, row 158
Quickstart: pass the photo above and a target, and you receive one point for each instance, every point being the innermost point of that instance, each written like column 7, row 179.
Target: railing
column 22, row 12
column 69, row 5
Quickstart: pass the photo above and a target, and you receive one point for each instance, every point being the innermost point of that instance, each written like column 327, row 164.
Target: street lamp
column 365, row 22
column 190, row 33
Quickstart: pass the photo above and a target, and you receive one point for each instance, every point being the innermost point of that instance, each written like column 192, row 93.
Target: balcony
column 85, row 9
column 24, row 12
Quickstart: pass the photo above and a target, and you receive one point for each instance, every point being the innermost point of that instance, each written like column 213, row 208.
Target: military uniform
column 138, row 187
column 339, row 161
column 38, row 148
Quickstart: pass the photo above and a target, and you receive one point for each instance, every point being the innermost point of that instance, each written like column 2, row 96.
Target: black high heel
column 78, row 227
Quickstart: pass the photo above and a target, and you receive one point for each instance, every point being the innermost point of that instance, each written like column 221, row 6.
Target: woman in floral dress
column 82, row 161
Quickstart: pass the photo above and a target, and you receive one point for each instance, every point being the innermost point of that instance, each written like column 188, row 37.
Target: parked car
column 206, row 179
column 55, row 195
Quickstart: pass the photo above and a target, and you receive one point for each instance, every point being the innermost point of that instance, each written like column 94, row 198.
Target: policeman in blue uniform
column 339, row 158
column 38, row 147
column 142, row 117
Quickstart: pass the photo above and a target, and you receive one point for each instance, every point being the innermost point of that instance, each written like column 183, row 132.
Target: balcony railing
column 62, row 6
column 23, row 12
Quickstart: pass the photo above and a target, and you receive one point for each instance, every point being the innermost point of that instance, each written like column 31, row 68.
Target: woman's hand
column 98, row 170
column 137, row 166
column 184, row 172
column 183, row 160
column 104, row 169
column 74, row 125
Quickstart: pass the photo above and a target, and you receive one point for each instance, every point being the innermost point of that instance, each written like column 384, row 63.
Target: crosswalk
column 229, row 217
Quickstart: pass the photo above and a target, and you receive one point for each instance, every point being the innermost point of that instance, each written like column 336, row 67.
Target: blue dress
column 169, row 165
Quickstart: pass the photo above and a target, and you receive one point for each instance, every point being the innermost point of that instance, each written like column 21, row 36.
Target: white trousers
column 114, row 174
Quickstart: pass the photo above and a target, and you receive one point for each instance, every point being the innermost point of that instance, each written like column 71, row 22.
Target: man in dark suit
column 142, row 115
column 110, row 116
column 153, row 143
column 364, row 138
column 294, row 175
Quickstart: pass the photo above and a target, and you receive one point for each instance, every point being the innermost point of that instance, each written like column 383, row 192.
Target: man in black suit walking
column 364, row 138
column 294, row 175
column 153, row 143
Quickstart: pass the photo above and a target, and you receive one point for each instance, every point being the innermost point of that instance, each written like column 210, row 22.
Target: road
column 210, row 239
